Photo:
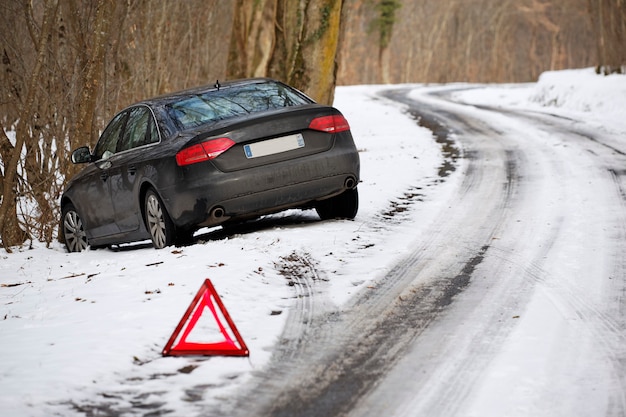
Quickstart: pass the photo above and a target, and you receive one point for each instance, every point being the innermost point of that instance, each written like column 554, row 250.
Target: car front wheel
column 73, row 230
column 158, row 222
column 343, row 206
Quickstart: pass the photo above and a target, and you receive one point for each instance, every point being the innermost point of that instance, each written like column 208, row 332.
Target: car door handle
column 132, row 170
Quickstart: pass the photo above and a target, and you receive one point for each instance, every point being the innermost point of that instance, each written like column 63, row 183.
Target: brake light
column 204, row 151
column 330, row 124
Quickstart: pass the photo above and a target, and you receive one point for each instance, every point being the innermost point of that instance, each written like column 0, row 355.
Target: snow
column 79, row 330
column 577, row 93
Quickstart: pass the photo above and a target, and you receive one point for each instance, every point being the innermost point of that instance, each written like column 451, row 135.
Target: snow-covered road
column 485, row 275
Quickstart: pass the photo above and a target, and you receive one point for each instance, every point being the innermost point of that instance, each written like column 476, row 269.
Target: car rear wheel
column 73, row 230
column 158, row 222
column 343, row 206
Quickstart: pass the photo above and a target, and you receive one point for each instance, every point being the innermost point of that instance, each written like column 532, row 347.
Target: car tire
column 343, row 206
column 158, row 222
column 74, row 235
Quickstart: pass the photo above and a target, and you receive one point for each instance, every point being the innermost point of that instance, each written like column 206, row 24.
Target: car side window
column 140, row 129
column 107, row 143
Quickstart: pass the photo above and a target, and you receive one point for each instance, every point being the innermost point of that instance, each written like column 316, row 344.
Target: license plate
column 273, row 146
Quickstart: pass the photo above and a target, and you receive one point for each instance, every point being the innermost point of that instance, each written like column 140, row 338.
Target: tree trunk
column 10, row 230
column 609, row 22
column 320, row 49
column 86, row 126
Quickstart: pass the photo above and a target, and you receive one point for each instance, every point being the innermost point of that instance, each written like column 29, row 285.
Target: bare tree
column 609, row 23
column 383, row 26
column 168, row 46
column 67, row 67
column 359, row 43
column 468, row 40
column 12, row 234
column 93, row 58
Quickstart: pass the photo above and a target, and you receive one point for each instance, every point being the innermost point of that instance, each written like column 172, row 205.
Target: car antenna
column 217, row 85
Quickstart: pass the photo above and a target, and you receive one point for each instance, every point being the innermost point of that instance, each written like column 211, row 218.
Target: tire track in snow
column 302, row 274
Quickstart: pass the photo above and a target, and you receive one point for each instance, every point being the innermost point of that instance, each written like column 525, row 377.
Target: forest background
column 67, row 66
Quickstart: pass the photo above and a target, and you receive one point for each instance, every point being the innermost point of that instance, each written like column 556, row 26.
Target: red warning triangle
column 229, row 341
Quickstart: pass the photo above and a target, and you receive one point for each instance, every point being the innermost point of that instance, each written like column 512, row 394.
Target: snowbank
column 582, row 91
column 578, row 92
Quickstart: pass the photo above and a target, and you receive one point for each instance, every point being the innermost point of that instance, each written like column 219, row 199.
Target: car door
column 139, row 131
column 92, row 190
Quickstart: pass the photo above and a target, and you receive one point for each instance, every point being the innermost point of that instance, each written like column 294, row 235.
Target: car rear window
column 211, row 106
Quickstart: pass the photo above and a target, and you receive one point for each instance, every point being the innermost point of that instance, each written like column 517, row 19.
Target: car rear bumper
column 208, row 196
column 271, row 201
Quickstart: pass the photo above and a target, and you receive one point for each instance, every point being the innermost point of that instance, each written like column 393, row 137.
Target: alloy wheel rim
column 156, row 222
column 75, row 236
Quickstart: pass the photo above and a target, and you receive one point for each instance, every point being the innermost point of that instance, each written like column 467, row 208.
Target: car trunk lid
column 271, row 137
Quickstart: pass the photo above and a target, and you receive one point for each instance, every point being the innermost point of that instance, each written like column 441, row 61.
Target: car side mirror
column 81, row 155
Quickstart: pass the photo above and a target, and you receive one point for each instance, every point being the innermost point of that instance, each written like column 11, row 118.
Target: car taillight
column 204, row 151
column 330, row 124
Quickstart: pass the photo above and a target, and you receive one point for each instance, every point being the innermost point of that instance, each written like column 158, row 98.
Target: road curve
column 537, row 226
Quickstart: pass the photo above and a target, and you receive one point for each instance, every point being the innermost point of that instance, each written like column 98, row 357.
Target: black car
column 165, row 167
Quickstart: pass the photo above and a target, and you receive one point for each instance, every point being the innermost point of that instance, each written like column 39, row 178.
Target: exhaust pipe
column 215, row 216
column 217, row 213
column 350, row 183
